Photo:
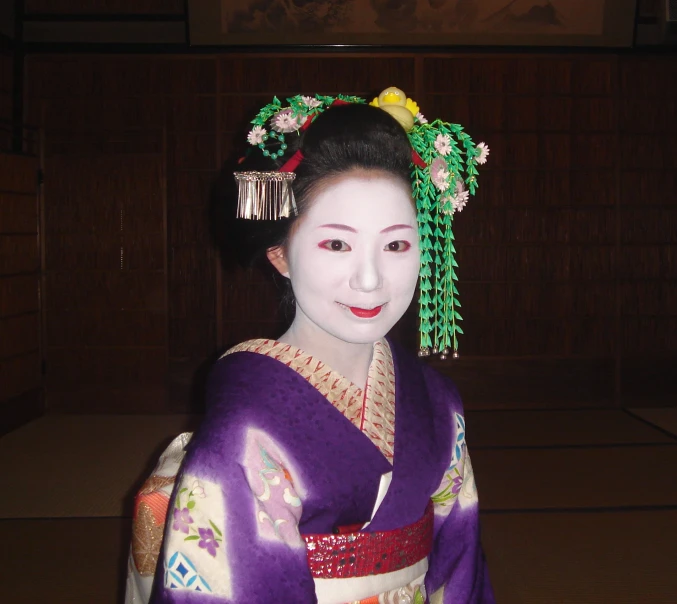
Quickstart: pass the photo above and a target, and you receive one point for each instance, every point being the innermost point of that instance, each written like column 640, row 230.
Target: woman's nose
column 367, row 275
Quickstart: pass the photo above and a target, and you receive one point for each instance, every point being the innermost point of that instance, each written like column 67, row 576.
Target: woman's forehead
column 372, row 196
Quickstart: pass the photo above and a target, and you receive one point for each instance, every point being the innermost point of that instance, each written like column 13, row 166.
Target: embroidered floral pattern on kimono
column 278, row 505
column 183, row 521
column 197, row 559
column 459, row 477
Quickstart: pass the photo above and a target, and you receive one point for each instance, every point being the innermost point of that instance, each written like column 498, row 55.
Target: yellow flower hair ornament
column 395, row 102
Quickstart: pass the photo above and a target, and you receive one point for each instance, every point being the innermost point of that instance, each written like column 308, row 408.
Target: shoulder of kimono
column 246, row 382
column 441, row 386
column 410, row 365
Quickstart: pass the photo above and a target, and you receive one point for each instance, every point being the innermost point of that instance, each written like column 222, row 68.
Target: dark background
column 112, row 296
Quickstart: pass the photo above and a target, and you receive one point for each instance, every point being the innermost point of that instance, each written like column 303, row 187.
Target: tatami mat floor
column 577, row 506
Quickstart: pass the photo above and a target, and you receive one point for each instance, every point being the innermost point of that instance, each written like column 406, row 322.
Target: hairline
column 322, row 184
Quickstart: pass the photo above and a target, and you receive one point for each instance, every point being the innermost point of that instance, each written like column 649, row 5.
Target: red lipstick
column 365, row 313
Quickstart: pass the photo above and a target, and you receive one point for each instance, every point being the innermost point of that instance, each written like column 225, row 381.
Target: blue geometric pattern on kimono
column 181, row 573
column 460, row 440
column 454, row 477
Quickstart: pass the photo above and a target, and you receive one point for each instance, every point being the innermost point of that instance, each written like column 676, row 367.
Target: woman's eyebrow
column 340, row 227
column 397, row 227
column 345, row 227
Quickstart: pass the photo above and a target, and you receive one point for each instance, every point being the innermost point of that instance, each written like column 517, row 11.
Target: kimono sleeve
column 458, row 571
column 232, row 526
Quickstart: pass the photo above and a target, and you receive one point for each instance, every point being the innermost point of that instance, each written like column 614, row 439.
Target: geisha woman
column 331, row 465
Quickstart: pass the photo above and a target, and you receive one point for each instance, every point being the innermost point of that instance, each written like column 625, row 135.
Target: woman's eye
column 398, row 246
column 335, row 245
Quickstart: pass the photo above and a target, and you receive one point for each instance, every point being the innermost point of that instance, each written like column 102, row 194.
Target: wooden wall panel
column 647, row 231
column 281, row 75
column 593, row 187
column 192, row 151
column 109, row 367
column 189, row 188
column 567, row 254
column 20, row 268
column 238, row 110
column 18, row 213
column 109, row 380
column 19, row 334
column 108, row 290
column 191, row 117
column 557, row 382
column 18, row 375
column 104, row 7
column 6, row 98
column 18, row 294
column 18, row 174
column 105, row 282
column 111, row 76
column 113, row 115
column 551, row 123
column 106, row 328
column 19, row 254
column 158, row 115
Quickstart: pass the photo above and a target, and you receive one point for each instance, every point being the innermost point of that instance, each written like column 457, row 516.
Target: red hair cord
column 292, row 163
column 417, row 160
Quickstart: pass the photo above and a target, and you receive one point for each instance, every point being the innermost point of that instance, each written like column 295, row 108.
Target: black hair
column 342, row 139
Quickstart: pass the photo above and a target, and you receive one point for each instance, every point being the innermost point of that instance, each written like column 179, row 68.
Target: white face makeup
column 354, row 258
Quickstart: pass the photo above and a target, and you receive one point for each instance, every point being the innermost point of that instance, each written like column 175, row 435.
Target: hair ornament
column 269, row 195
column 395, row 102
column 441, row 187
column 444, row 176
column 265, row 195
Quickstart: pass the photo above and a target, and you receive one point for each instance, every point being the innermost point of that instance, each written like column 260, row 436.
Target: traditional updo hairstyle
column 342, row 139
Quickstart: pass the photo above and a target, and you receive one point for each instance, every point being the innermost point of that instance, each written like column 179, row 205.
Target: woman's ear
column 277, row 259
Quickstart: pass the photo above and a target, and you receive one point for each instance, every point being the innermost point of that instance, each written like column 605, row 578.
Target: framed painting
column 402, row 23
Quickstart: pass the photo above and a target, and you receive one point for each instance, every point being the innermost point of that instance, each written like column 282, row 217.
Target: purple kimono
column 274, row 460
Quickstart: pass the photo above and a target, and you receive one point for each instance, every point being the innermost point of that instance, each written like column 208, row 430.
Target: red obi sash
column 360, row 554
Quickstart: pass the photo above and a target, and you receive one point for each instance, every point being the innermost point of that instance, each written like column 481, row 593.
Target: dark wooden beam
column 102, row 18
column 18, row 78
column 186, row 48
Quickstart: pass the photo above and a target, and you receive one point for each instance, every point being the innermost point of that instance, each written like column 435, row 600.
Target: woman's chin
column 365, row 332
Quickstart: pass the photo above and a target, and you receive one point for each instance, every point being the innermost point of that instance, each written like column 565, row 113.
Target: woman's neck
column 349, row 359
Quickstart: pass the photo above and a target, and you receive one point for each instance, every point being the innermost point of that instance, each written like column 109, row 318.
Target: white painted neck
column 349, row 359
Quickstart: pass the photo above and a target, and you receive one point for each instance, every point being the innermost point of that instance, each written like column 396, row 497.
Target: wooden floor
column 577, row 506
